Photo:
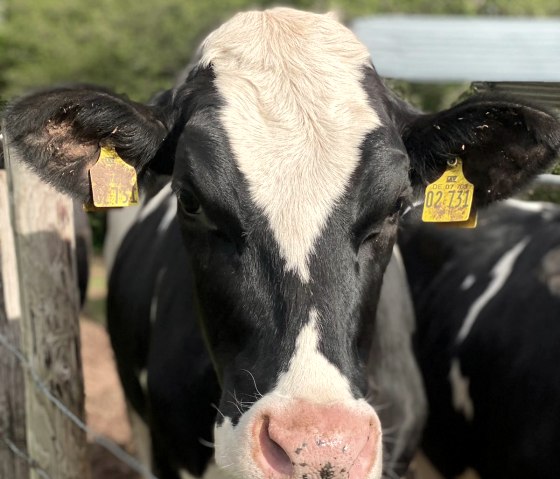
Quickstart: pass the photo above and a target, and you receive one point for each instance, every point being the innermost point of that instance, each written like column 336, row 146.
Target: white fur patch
column 462, row 401
column 469, row 280
column 142, row 439
column 154, row 202
column 500, row 273
column 169, row 215
column 532, row 206
column 296, row 115
column 310, row 375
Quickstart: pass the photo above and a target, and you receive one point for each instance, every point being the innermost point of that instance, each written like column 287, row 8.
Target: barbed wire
column 99, row 439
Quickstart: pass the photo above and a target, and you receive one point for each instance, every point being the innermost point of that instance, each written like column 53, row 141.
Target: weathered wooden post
column 12, row 397
column 42, row 221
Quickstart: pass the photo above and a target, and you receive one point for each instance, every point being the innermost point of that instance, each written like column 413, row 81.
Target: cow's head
column 292, row 163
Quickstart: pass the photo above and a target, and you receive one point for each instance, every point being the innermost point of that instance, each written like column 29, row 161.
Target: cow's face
column 290, row 179
column 291, row 162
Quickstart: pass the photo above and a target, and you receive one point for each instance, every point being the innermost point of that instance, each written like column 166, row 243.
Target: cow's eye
column 370, row 236
column 401, row 205
column 189, row 203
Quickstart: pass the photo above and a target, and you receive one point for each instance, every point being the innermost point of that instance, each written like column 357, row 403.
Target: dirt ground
column 105, row 405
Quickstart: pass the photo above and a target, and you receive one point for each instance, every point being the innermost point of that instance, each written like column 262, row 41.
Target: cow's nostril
column 272, row 452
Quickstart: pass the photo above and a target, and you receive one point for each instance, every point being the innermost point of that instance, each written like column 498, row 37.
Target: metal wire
column 101, row 440
column 32, row 463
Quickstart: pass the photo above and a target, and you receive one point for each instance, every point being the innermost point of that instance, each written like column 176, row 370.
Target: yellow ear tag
column 449, row 198
column 113, row 181
column 470, row 223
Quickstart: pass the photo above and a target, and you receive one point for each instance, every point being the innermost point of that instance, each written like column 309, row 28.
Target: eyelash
column 401, row 205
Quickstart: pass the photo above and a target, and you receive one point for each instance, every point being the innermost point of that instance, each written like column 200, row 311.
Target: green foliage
column 98, row 223
column 542, row 193
column 138, row 46
column 428, row 96
column 134, row 46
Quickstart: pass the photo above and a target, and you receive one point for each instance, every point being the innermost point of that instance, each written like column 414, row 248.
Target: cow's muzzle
column 314, row 441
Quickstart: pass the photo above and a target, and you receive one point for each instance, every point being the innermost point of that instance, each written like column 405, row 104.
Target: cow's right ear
column 59, row 132
column 503, row 143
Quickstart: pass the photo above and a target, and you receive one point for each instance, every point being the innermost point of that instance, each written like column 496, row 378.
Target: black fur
column 182, row 383
column 510, row 355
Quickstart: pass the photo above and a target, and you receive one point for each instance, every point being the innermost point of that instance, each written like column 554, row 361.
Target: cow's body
column 488, row 304
column 291, row 162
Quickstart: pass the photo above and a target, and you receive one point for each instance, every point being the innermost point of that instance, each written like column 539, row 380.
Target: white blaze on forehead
column 296, row 115
column 310, row 374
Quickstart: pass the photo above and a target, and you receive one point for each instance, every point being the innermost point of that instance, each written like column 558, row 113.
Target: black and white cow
column 488, row 309
column 291, row 163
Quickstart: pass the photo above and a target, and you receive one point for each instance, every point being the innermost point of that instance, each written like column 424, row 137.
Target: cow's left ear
column 503, row 143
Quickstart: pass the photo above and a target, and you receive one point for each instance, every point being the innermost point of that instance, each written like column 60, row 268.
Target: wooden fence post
column 12, row 397
column 42, row 221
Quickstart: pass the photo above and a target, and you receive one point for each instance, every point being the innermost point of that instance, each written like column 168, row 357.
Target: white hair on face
column 311, row 375
column 296, row 114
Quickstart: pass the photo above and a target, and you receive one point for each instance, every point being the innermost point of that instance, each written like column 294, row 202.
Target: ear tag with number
column 113, row 181
column 449, row 198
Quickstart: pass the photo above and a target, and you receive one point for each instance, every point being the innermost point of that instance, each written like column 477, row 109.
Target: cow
column 291, row 162
column 487, row 303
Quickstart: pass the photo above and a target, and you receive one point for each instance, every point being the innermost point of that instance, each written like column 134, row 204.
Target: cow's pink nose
column 316, row 441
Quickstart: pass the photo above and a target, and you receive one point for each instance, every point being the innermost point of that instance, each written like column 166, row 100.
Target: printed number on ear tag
column 449, row 199
column 113, row 181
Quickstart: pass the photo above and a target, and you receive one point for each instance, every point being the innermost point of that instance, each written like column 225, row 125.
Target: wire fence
column 32, row 463
column 106, row 443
